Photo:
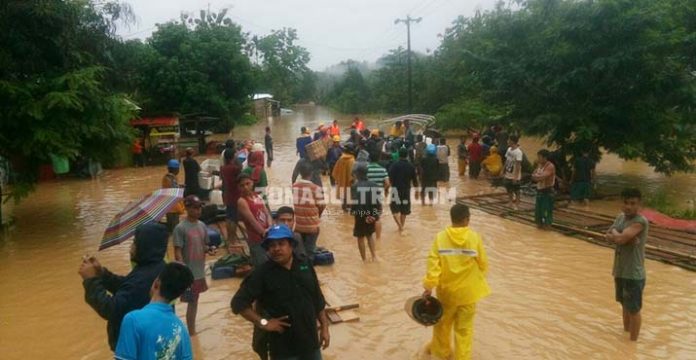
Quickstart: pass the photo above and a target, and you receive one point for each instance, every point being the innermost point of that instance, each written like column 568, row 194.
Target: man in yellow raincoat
column 457, row 265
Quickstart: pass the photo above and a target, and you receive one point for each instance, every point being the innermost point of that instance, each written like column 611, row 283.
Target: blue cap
column 431, row 149
column 173, row 164
column 278, row 232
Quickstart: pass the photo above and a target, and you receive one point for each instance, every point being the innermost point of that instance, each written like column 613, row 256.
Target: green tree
column 197, row 66
column 284, row 71
column 352, row 93
column 617, row 74
column 389, row 83
column 54, row 98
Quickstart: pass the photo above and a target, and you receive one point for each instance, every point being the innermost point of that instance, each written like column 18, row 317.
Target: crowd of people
column 282, row 296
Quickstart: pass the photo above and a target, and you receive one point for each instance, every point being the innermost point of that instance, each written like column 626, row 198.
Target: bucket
column 210, row 165
column 216, row 197
column 205, row 180
column 61, row 165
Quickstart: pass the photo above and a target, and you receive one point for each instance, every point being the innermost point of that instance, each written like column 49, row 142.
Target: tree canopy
column 54, row 93
column 283, row 66
column 612, row 74
column 196, row 66
column 69, row 85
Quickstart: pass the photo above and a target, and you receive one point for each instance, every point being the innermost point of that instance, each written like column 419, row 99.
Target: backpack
column 323, row 256
column 230, row 265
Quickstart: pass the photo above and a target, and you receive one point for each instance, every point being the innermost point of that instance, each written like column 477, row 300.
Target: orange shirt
column 360, row 125
column 169, row 181
column 334, row 130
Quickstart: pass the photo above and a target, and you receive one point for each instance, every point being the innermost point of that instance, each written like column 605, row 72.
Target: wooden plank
column 344, row 307
column 469, row 197
column 333, row 316
column 349, row 316
column 663, row 244
column 338, row 308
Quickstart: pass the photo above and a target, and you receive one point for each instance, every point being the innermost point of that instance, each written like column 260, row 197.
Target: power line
column 408, row 22
column 437, row 8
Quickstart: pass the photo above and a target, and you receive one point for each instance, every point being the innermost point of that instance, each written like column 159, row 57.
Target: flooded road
column 552, row 295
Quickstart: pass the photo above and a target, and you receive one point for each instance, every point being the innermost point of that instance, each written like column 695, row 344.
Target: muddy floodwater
column 553, row 295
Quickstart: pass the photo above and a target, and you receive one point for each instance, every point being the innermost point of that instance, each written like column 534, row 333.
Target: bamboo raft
column 670, row 246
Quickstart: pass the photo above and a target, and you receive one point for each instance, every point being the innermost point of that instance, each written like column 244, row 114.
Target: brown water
column 552, row 295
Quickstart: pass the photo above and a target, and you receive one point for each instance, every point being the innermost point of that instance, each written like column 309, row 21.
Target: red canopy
column 155, row 121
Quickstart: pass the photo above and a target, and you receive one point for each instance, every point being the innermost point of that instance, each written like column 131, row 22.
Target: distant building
column 265, row 108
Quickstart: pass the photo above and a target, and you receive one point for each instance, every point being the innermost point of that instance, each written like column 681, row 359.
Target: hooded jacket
column 457, row 265
column 130, row 292
column 342, row 171
column 363, row 159
column 493, row 163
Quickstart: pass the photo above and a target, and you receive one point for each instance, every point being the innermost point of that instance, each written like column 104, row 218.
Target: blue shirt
column 153, row 332
column 301, row 142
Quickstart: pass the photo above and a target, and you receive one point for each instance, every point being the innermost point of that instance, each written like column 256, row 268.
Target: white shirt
column 511, row 157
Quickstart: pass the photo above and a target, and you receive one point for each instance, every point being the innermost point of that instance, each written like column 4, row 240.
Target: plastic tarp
column 663, row 220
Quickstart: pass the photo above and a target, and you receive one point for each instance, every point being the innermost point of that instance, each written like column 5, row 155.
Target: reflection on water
column 552, row 295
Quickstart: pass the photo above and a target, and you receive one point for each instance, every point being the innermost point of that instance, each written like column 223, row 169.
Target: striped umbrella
column 150, row 208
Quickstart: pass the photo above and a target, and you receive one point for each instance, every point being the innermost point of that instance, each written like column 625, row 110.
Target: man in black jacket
column 287, row 293
column 401, row 174
column 113, row 296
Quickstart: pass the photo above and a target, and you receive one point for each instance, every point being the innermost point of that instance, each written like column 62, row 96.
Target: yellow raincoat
column 396, row 132
column 457, row 265
column 493, row 163
column 342, row 171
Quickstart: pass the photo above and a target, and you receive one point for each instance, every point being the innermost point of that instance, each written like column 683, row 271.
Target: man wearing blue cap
column 287, row 290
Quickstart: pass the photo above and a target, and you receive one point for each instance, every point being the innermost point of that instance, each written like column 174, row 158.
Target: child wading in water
column 190, row 245
column 365, row 207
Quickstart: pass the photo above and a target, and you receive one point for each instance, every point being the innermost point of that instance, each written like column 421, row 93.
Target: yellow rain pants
column 461, row 319
column 457, row 265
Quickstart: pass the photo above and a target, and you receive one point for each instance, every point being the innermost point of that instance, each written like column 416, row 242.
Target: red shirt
column 137, row 148
column 230, row 188
column 475, row 152
column 334, row 130
column 258, row 210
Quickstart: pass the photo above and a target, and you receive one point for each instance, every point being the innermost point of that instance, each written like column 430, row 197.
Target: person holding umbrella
column 113, row 296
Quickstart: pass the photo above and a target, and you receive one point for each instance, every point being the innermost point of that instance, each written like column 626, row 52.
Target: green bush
column 661, row 203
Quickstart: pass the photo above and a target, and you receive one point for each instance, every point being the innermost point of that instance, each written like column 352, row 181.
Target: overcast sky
column 332, row 30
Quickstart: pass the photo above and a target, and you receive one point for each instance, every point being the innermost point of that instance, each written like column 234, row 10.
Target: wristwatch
column 263, row 322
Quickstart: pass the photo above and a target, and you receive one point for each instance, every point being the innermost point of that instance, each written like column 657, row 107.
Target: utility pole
column 408, row 22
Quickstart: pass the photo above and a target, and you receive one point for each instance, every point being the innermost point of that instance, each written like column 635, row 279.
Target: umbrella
column 150, row 208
